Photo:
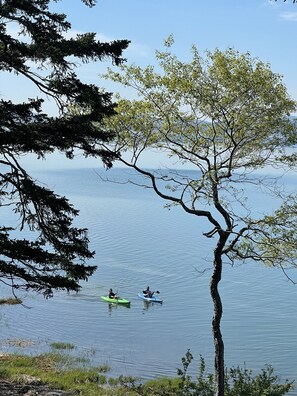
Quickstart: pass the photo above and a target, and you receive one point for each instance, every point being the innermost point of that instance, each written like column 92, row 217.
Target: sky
column 265, row 28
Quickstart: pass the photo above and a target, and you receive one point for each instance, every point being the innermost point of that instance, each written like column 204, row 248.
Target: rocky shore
column 8, row 388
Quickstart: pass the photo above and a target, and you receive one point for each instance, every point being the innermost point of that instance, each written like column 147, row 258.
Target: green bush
column 238, row 382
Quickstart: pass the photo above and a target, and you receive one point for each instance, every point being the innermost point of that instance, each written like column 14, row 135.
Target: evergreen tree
column 56, row 253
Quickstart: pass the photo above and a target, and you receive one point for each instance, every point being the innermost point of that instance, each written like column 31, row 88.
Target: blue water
column 139, row 243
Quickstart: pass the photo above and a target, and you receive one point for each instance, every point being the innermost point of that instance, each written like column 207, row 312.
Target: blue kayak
column 150, row 299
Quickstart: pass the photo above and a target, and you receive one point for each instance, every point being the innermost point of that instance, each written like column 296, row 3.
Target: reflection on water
column 112, row 306
column 150, row 305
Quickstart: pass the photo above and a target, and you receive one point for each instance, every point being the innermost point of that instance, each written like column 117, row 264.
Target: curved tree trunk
column 217, row 315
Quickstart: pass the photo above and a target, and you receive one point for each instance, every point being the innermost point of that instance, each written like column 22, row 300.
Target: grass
column 47, row 368
column 10, row 301
column 62, row 345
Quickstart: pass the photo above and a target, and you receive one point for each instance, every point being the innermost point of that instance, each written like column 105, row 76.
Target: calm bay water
column 139, row 243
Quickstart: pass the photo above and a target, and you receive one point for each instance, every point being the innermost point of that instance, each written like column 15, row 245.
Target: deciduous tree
column 55, row 255
column 226, row 116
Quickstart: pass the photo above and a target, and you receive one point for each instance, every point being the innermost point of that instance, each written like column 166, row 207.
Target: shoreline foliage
column 46, row 370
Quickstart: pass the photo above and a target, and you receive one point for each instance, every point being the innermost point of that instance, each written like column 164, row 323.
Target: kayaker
column 148, row 293
column 111, row 294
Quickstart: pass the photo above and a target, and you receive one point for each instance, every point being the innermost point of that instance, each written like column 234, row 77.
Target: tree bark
column 217, row 315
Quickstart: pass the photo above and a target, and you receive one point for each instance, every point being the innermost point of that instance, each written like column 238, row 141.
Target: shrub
column 238, row 382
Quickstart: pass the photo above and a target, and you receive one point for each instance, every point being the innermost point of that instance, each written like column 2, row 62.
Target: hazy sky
column 267, row 29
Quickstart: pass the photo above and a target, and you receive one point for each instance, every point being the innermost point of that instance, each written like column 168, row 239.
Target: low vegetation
column 63, row 372
column 238, row 382
column 62, row 345
column 10, row 301
column 58, row 371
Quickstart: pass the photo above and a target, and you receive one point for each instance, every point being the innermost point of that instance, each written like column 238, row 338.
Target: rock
column 8, row 388
column 28, row 379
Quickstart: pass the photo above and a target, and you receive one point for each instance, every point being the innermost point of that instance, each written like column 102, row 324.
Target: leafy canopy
column 227, row 115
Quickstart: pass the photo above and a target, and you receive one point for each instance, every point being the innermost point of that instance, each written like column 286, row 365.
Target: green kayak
column 118, row 300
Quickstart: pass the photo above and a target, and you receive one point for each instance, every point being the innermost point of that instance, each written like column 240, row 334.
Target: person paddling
column 111, row 294
column 148, row 293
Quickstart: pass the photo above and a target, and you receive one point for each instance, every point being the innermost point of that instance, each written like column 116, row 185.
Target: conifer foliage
column 34, row 46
